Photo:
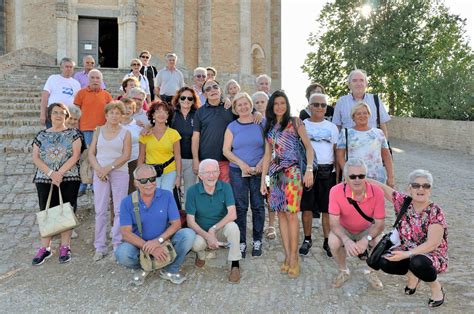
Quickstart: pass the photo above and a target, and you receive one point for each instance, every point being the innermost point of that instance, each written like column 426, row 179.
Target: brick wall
column 447, row 134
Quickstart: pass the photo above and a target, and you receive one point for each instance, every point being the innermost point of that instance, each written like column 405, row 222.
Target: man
column 149, row 71
column 140, row 115
column 357, row 82
column 60, row 88
column 210, row 123
column 323, row 136
column 351, row 234
column 169, row 79
column 264, row 83
column 160, row 222
column 199, row 77
column 211, row 73
column 83, row 76
column 211, row 212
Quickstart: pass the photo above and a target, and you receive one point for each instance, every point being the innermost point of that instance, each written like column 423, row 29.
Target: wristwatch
column 161, row 240
column 214, row 227
column 369, row 237
column 113, row 167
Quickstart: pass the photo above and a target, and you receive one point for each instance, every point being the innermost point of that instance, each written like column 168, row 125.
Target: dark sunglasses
column 208, row 89
column 146, row 180
column 317, row 105
column 200, row 75
column 354, row 176
column 425, row 186
column 134, row 64
column 145, row 57
column 189, row 98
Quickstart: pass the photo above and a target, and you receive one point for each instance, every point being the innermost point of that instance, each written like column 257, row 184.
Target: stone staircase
column 20, row 96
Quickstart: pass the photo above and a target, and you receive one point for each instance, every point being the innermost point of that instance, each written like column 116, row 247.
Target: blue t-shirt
column 155, row 219
column 247, row 143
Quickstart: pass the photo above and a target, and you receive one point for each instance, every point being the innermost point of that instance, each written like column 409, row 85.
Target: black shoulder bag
column 356, row 206
column 377, row 106
column 385, row 244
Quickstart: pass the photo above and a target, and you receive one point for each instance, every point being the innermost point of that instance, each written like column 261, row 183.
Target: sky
column 299, row 20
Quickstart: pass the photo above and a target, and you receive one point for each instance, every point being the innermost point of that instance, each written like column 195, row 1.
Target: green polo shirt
column 209, row 209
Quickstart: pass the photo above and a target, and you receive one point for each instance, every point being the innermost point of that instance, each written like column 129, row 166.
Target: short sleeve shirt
column 342, row 111
column 184, row 126
column 160, row 151
column 169, row 81
column 323, row 136
column 92, row 104
column 61, row 89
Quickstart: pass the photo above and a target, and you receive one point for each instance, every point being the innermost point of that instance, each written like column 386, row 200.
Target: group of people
column 232, row 151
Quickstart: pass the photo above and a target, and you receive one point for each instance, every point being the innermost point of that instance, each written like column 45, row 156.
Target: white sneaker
column 177, row 279
column 74, row 234
column 98, row 256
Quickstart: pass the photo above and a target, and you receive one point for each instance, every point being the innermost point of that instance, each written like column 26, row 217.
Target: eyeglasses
column 189, row 98
column 200, row 75
column 425, row 186
column 354, row 176
column 208, row 89
column 317, row 105
column 90, row 62
column 145, row 57
column 138, row 99
column 134, row 64
column 146, row 180
column 208, row 173
column 58, row 113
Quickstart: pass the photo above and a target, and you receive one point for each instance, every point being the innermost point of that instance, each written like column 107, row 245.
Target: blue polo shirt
column 209, row 209
column 155, row 219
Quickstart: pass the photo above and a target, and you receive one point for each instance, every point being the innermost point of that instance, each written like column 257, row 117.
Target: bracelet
column 410, row 253
column 50, row 172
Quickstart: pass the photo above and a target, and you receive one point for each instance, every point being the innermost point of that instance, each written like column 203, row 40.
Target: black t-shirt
column 328, row 116
column 185, row 129
column 150, row 75
column 211, row 122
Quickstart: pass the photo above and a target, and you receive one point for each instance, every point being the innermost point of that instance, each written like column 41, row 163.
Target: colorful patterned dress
column 413, row 229
column 285, row 177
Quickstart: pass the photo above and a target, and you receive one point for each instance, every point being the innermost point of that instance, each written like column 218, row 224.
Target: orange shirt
column 92, row 104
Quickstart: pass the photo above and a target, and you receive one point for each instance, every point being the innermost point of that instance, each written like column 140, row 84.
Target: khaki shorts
column 356, row 236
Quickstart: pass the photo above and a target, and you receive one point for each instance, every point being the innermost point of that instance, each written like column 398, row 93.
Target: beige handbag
column 86, row 171
column 147, row 261
column 56, row 219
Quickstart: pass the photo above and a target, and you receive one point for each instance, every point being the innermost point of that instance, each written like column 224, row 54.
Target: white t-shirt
column 141, row 117
column 61, row 89
column 135, row 134
column 323, row 135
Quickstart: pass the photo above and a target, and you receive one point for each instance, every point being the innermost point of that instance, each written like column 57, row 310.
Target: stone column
column 245, row 36
column 267, row 44
column 61, row 30
column 178, row 30
column 2, row 27
column 204, row 33
column 127, row 28
column 276, row 44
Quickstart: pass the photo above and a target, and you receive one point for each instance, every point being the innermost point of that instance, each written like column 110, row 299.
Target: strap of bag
column 347, row 144
column 136, row 208
column 403, row 210
column 354, row 203
column 377, row 107
column 48, row 202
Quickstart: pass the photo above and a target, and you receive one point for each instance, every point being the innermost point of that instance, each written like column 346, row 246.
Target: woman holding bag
column 56, row 152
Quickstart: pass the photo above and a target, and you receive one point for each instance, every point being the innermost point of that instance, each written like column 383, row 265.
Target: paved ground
column 85, row 286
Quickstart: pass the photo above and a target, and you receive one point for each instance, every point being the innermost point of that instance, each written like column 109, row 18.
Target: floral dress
column 285, row 177
column 413, row 229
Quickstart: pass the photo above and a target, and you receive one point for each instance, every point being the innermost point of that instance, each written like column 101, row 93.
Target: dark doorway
column 108, row 43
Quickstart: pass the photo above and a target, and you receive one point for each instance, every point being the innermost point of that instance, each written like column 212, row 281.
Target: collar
column 94, row 91
column 158, row 194
column 202, row 191
column 369, row 192
column 363, row 97
column 207, row 104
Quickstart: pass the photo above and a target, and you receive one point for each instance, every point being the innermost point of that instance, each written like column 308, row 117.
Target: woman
column 109, row 153
column 231, row 89
column 244, row 146
column 185, row 102
column 135, row 66
column 368, row 144
column 129, row 123
column 161, row 147
column 281, row 162
column 56, row 152
column 127, row 84
column 422, row 252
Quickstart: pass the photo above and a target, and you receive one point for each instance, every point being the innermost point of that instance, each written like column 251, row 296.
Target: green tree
column 415, row 53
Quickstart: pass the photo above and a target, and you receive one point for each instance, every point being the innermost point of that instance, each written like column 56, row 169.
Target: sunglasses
column 145, row 57
column 189, row 98
column 317, row 105
column 208, row 89
column 200, row 75
column 354, row 176
column 425, row 186
column 146, row 180
column 134, row 64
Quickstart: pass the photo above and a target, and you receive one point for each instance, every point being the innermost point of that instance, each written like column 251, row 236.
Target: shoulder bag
column 147, row 261
column 301, row 150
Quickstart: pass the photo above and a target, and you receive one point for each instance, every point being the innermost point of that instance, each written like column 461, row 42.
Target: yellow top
column 160, row 151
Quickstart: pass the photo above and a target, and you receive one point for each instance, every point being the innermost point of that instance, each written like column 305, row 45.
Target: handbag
column 301, row 150
column 159, row 168
column 56, row 219
column 182, row 212
column 85, row 170
column 385, row 243
column 147, row 261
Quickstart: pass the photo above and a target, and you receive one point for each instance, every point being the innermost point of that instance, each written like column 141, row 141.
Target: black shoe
column 304, row 249
column 327, row 249
column 257, row 248
column 64, row 254
column 42, row 255
column 410, row 291
column 364, row 256
column 243, row 249
column 433, row 303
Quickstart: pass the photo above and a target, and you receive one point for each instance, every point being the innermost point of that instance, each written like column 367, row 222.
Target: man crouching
column 160, row 222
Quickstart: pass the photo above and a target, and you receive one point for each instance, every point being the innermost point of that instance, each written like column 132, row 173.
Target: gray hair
column 87, row 57
column 314, row 95
column 349, row 77
column 229, row 82
column 135, row 92
column 199, row 69
column 354, row 162
column 263, row 76
column 420, row 173
column 359, row 105
column 66, row 59
column 258, row 94
column 75, row 111
column 207, row 162
column 143, row 167
column 171, row 54
column 95, row 71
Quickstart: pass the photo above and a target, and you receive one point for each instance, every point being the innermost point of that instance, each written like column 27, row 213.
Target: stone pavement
column 85, row 286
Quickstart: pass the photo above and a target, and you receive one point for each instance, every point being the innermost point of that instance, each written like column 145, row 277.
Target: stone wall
column 13, row 60
column 447, row 134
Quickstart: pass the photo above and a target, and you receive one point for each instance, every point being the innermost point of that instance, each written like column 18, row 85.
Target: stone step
column 18, row 113
column 20, row 106
column 22, row 132
column 16, row 146
column 20, row 121
column 19, row 99
column 19, row 93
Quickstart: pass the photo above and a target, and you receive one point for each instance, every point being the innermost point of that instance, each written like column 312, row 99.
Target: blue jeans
column 129, row 255
column 166, row 181
column 242, row 187
column 88, row 139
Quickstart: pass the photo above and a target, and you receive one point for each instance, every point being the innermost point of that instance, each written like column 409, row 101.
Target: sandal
column 270, row 233
column 284, row 268
column 294, row 272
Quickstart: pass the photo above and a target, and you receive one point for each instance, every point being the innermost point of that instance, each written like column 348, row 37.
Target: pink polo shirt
column 373, row 206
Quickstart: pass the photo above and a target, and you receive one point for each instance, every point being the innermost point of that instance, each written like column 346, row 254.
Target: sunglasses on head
column 208, row 89
column 425, row 186
column 317, row 105
column 189, row 98
column 354, row 176
column 146, row 180
column 145, row 57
